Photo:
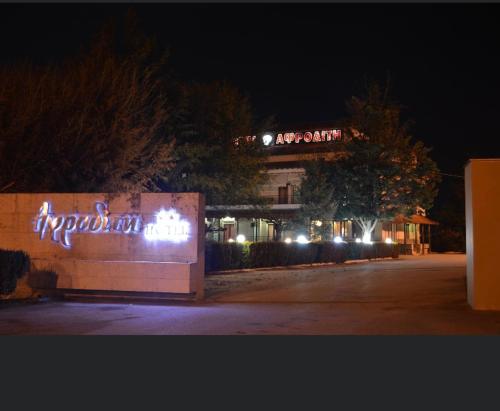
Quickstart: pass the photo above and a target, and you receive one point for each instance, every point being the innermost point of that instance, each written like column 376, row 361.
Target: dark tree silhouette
column 95, row 122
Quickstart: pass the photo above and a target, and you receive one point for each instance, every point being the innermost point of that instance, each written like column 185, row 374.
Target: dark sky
column 301, row 61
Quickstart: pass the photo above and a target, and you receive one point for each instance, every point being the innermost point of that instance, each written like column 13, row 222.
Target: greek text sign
column 315, row 136
column 168, row 225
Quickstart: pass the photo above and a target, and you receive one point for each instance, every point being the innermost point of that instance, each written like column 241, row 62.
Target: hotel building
column 287, row 152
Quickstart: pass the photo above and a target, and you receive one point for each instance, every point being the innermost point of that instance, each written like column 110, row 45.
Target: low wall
column 149, row 242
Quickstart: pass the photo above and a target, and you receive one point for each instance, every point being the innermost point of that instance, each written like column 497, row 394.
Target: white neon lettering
column 61, row 226
column 168, row 227
column 316, row 136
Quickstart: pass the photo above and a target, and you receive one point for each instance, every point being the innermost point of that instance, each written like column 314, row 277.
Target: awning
column 414, row 219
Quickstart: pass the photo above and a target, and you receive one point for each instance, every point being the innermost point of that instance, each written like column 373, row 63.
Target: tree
column 281, row 222
column 384, row 173
column 318, row 197
column 208, row 157
column 378, row 172
column 95, row 122
column 449, row 210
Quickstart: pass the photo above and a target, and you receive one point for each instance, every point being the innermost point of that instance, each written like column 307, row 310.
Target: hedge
column 360, row 251
column 13, row 265
column 226, row 256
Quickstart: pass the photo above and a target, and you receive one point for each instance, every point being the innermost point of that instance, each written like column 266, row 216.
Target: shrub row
column 227, row 256
column 360, row 251
column 13, row 265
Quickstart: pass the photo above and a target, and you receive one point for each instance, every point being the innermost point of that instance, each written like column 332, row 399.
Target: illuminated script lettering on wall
column 168, row 225
column 61, row 226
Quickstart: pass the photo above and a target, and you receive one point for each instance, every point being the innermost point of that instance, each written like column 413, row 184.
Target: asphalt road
column 412, row 295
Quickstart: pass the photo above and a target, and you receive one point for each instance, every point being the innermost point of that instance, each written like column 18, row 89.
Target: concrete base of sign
column 482, row 203
column 141, row 276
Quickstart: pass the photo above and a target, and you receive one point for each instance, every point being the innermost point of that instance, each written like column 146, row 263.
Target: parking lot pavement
column 411, row 295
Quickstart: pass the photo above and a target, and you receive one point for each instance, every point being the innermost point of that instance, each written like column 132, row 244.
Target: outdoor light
column 358, row 240
column 267, row 139
column 388, row 240
column 302, row 239
column 367, row 238
column 318, row 223
column 230, row 240
column 288, row 240
column 337, row 239
column 240, row 238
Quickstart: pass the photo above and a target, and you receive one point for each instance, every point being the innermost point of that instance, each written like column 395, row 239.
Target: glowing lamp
column 388, row 240
column 358, row 240
column 337, row 239
column 240, row 238
column 288, row 240
column 230, row 240
column 267, row 139
column 367, row 238
column 302, row 239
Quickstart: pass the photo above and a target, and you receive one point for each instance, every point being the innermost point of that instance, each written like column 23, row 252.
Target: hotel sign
column 168, row 225
column 281, row 139
column 316, row 136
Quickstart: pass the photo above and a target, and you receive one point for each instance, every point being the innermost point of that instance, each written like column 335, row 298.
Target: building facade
column 287, row 152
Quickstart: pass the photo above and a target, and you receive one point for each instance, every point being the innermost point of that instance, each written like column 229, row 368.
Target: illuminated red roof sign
column 316, row 136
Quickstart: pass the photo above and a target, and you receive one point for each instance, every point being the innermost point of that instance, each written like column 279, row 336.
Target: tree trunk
column 367, row 226
column 277, row 232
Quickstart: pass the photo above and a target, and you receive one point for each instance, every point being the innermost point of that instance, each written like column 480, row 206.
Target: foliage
column 318, row 196
column 382, row 173
column 225, row 256
column 273, row 253
column 13, row 265
column 332, row 252
column 95, row 122
column 360, row 251
column 207, row 157
column 449, row 211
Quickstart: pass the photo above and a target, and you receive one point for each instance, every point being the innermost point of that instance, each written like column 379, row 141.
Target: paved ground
column 412, row 295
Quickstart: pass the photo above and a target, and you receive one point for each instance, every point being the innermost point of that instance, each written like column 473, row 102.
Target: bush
column 448, row 239
column 360, row 251
column 227, row 256
column 269, row 254
column 224, row 256
column 274, row 253
column 13, row 265
column 332, row 252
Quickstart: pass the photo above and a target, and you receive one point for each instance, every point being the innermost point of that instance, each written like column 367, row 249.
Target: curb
column 290, row 267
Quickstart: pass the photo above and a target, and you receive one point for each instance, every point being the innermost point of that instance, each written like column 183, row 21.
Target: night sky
column 301, row 62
